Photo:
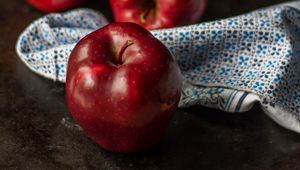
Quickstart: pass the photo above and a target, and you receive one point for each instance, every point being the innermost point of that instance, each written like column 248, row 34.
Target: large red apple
column 153, row 14
column 122, row 87
column 54, row 5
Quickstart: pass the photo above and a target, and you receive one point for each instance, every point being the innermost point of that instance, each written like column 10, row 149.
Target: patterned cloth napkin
column 228, row 64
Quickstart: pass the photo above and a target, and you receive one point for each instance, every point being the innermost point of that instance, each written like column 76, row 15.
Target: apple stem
column 147, row 11
column 127, row 44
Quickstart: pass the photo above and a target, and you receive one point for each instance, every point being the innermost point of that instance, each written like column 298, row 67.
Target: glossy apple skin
column 123, row 98
column 54, row 5
column 162, row 14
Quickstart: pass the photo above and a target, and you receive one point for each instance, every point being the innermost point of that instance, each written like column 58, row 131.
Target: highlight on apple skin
column 154, row 14
column 122, row 87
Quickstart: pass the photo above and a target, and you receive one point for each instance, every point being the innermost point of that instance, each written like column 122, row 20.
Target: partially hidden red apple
column 54, row 5
column 153, row 14
column 122, row 87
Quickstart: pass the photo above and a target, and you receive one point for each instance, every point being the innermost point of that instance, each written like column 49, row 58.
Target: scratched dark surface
column 37, row 132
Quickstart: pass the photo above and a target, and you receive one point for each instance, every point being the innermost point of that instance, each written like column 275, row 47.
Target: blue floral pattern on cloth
column 228, row 64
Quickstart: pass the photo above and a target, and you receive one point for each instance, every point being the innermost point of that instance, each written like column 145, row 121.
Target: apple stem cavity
column 147, row 11
column 124, row 47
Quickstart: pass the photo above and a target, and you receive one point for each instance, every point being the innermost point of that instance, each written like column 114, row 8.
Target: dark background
column 37, row 132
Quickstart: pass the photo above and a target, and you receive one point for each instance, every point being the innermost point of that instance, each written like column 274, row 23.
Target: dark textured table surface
column 37, row 132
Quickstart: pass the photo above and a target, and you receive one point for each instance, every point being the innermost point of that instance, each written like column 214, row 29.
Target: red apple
column 153, row 14
column 122, row 87
column 54, row 5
